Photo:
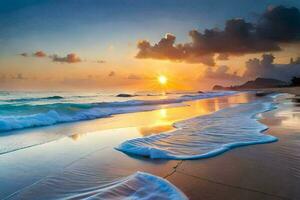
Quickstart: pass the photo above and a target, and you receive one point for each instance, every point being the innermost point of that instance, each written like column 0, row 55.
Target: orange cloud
column 40, row 54
column 70, row 58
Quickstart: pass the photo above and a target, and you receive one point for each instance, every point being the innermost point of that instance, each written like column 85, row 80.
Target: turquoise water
column 19, row 110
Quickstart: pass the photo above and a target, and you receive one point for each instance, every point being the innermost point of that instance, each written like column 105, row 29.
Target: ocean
column 20, row 110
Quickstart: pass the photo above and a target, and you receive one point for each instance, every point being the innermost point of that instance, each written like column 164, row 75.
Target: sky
column 126, row 44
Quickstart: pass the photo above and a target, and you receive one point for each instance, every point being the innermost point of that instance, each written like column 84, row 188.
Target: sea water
column 19, row 110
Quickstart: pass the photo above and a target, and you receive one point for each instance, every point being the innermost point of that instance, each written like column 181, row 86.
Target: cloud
column 275, row 26
column 111, row 74
column 220, row 73
column 263, row 67
column 266, row 68
column 70, row 58
column 280, row 24
column 40, row 54
column 166, row 49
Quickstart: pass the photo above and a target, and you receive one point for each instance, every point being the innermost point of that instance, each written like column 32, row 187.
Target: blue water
column 206, row 136
column 19, row 110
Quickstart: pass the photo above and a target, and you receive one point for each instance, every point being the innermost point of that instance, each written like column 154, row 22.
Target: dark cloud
column 266, row 68
column 166, row 49
column 40, row 54
column 280, row 24
column 276, row 25
column 70, row 58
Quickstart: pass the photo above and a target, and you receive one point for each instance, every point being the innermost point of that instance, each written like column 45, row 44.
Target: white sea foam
column 205, row 136
column 19, row 116
column 139, row 186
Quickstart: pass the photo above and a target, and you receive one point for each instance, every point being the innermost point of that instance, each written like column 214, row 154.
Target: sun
column 162, row 79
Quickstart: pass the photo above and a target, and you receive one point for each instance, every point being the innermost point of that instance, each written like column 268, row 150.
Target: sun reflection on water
column 161, row 120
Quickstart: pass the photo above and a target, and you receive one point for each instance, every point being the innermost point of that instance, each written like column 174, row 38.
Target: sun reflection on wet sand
column 162, row 120
column 146, row 131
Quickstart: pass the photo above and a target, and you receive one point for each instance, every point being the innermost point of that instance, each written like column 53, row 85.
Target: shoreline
column 95, row 136
column 195, row 178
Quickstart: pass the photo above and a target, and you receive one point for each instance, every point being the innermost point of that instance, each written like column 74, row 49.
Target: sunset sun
column 162, row 79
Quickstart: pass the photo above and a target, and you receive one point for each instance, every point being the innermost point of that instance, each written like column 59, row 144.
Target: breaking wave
column 19, row 116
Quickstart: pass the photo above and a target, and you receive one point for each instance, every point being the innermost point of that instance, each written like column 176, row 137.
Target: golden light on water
column 162, row 79
column 163, row 113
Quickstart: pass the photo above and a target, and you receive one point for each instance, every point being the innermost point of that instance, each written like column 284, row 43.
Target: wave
column 34, row 99
column 205, row 136
column 139, row 185
column 15, row 116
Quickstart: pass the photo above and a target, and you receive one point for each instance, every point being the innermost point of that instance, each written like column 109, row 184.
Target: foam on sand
column 139, row 185
column 205, row 136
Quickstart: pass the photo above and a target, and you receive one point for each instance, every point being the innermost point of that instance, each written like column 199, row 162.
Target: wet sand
column 268, row 171
column 87, row 159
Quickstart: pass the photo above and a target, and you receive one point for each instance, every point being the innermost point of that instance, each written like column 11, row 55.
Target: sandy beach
column 82, row 161
column 149, row 100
